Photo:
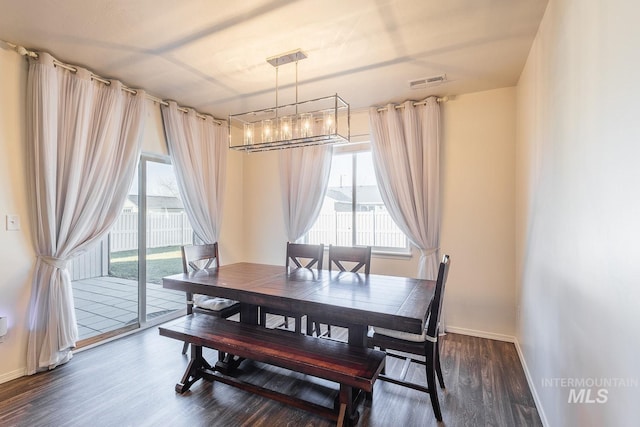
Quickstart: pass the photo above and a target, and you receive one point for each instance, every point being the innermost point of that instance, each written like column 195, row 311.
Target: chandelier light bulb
column 328, row 123
column 305, row 125
column 285, row 128
column 248, row 133
column 267, row 131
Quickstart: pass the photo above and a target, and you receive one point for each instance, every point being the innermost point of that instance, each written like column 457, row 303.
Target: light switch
column 13, row 222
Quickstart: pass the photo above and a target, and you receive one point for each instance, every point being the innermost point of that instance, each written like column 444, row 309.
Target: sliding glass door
column 117, row 285
column 167, row 228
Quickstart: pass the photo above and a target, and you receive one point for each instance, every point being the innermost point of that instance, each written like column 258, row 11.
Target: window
column 353, row 212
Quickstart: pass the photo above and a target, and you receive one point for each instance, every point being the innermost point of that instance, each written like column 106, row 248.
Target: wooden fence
column 163, row 229
column 174, row 229
column 372, row 229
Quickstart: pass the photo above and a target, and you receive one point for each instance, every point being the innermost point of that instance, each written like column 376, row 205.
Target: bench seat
column 354, row 368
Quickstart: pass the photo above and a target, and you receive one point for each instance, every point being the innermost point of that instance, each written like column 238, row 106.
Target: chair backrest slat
column 191, row 254
column 361, row 255
column 436, row 302
column 297, row 252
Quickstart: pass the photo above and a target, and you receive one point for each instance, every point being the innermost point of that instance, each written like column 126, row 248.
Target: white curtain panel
column 84, row 142
column 198, row 149
column 304, row 176
column 406, row 154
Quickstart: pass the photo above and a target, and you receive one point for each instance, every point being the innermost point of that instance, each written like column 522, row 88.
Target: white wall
column 264, row 234
column 578, row 209
column 231, row 239
column 16, row 253
column 478, row 212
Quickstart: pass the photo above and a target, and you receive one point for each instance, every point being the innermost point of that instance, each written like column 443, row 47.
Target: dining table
column 353, row 300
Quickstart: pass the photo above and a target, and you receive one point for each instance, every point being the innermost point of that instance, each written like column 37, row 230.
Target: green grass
column 160, row 262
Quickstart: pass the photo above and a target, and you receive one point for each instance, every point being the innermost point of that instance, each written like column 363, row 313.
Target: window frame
column 353, row 150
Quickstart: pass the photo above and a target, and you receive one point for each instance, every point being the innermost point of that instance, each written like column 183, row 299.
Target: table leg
column 249, row 313
column 358, row 335
column 227, row 363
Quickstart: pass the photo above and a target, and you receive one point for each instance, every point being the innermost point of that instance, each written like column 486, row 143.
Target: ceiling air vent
column 427, row 81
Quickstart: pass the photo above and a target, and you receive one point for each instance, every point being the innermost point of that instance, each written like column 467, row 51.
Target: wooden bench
column 354, row 368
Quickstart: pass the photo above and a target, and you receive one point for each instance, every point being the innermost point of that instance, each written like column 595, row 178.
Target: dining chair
column 298, row 256
column 425, row 345
column 201, row 257
column 360, row 256
column 356, row 258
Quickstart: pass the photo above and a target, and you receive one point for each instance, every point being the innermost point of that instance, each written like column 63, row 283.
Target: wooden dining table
column 353, row 300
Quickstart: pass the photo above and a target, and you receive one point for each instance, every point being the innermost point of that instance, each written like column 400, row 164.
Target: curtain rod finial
column 23, row 51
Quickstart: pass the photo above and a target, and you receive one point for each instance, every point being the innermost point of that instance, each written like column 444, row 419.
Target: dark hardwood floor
column 130, row 382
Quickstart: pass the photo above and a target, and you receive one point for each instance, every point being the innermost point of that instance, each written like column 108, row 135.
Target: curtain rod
column 439, row 100
column 25, row 52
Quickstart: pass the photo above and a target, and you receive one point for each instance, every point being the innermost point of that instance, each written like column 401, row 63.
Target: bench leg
column 194, row 370
column 347, row 407
column 341, row 414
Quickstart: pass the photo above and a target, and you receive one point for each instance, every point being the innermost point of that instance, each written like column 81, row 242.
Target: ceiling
column 211, row 55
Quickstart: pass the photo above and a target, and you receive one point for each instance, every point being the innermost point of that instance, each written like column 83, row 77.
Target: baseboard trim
column 532, row 385
column 6, row 377
column 480, row 334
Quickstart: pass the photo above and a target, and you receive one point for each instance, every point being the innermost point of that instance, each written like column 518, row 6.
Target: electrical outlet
column 13, row 222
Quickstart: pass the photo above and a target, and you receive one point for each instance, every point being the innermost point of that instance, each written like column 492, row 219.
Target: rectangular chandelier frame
column 315, row 122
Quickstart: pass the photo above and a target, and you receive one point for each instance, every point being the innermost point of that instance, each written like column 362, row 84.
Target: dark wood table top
column 360, row 300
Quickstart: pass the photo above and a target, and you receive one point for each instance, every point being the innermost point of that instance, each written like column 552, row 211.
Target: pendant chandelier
column 314, row 122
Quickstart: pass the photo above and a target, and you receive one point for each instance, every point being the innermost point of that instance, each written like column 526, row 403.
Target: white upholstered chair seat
column 406, row 336
column 212, row 303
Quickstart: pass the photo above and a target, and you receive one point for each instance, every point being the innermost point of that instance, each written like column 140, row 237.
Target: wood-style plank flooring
column 130, row 382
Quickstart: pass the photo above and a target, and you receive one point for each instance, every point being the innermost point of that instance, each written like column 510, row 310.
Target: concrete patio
column 106, row 303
